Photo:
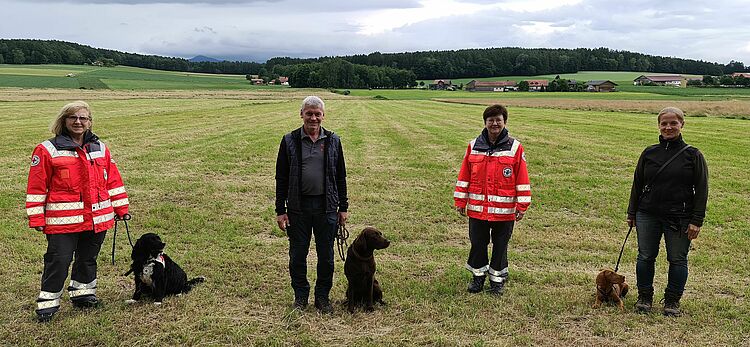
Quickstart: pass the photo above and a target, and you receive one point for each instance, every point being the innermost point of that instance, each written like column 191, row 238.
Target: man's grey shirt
column 313, row 161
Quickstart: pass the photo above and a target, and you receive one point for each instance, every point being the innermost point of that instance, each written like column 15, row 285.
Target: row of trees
column 17, row 51
column 491, row 62
column 339, row 73
column 721, row 81
column 376, row 70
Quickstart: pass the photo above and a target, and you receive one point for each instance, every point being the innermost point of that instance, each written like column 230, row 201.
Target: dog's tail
column 192, row 283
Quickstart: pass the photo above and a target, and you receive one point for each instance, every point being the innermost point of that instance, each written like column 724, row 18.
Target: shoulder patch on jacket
column 35, row 160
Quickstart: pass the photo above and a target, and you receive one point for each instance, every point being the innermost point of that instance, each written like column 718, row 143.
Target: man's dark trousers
column 312, row 220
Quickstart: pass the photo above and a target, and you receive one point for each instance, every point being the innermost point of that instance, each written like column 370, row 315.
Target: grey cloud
column 317, row 6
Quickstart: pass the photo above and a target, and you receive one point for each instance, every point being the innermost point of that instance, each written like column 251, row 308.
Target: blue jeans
column 650, row 228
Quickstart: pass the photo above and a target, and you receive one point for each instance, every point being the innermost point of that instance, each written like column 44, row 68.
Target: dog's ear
column 139, row 251
column 360, row 243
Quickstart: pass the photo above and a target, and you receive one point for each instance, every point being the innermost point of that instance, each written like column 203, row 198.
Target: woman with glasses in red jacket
column 74, row 194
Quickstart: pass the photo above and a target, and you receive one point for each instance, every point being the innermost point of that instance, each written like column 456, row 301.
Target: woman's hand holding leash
column 461, row 210
column 693, row 231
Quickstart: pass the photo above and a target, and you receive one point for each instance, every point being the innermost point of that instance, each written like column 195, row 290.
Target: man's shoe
column 496, row 288
column 300, row 304
column 323, row 305
column 89, row 301
column 476, row 285
column 645, row 300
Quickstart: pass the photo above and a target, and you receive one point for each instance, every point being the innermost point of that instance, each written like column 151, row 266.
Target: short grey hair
column 312, row 101
column 674, row 110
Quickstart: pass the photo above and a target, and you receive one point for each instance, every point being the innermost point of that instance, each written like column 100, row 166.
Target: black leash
column 114, row 237
column 617, row 267
column 341, row 235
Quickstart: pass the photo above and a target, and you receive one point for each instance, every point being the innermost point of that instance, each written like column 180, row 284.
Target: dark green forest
column 376, row 70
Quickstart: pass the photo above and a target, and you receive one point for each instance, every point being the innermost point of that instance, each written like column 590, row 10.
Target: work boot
column 45, row 315
column 645, row 300
column 323, row 305
column 300, row 304
column 496, row 288
column 88, row 301
column 476, row 285
column 672, row 304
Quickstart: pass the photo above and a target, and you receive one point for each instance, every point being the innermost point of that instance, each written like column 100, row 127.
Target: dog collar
column 159, row 258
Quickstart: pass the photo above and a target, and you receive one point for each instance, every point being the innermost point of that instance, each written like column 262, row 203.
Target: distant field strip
column 737, row 109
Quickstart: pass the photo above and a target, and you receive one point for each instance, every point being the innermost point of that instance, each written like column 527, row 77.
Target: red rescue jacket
column 74, row 188
column 493, row 182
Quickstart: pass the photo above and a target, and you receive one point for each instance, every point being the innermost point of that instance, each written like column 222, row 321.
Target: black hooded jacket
column 679, row 191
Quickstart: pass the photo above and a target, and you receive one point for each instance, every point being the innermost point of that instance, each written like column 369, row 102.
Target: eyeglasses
column 79, row 118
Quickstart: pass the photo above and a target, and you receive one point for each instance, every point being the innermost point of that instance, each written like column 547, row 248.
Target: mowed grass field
column 117, row 78
column 200, row 172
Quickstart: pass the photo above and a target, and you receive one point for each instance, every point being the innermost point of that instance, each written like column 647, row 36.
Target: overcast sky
column 716, row 31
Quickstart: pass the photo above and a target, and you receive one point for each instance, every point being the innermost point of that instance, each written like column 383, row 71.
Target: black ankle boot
column 645, row 300
column 672, row 304
column 496, row 288
column 476, row 285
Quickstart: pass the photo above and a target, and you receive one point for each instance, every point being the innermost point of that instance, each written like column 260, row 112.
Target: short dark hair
column 495, row 110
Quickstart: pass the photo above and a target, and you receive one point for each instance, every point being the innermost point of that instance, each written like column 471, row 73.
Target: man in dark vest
column 311, row 198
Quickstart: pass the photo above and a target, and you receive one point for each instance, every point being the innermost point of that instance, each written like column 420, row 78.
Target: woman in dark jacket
column 672, row 203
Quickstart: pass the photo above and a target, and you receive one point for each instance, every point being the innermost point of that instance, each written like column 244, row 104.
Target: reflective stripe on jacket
column 74, row 188
column 493, row 183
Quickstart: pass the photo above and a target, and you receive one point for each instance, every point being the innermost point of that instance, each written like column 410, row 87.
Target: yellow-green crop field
column 199, row 169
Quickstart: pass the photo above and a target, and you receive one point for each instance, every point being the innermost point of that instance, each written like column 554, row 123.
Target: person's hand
column 693, row 231
column 282, row 221
column 461, row 210
column 39, row 228
column 631, row 222
column 519, row 215
column 343, row 216
column 126, row 216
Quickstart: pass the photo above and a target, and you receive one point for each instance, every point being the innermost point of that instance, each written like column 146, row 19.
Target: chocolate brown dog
column 359, row 268
column 610, row 287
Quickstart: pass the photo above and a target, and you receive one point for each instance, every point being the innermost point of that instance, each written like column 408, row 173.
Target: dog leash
column 617, row 267
column 114, row 237
column 341, row 235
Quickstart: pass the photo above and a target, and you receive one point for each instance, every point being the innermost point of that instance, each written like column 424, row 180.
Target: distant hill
column 203, row 58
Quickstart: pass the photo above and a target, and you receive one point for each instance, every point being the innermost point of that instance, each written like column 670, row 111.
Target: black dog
column 359, row 268
column 155, row 273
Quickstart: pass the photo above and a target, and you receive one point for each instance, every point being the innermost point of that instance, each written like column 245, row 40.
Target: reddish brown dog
column 359, row 268
column 610, row 287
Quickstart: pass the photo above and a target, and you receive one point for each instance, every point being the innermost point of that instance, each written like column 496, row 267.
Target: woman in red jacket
column 493, row 190
column 74, row 194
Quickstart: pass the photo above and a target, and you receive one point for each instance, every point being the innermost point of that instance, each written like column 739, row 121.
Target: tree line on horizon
column 376, row 70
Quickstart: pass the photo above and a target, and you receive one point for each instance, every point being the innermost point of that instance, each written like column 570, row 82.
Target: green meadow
column 200, row 172
column 117, row 78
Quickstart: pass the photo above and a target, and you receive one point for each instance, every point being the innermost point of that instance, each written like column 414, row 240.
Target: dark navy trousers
column 313, row 220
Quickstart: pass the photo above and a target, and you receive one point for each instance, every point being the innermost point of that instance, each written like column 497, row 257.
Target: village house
column 441, row 85
column 661, row 80
column 600, row 86
column 537, row 85
column 283, row 80
column 743, row 74
column 256, row 81
column 491, row 86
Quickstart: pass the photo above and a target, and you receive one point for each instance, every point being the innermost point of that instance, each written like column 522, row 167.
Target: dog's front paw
column 157, row 303
column 130, row 301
